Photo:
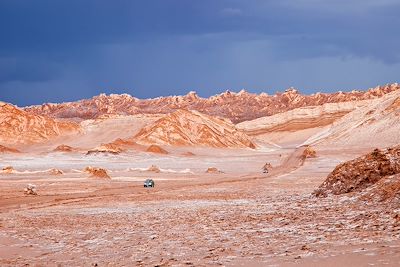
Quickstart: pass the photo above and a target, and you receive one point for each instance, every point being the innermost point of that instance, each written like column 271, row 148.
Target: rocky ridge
column 237, row 107
column 300, row 118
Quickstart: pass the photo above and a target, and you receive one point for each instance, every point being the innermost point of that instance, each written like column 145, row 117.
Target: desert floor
column 241, row 217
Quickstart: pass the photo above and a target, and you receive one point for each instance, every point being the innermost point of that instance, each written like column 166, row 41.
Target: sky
column 65, row 50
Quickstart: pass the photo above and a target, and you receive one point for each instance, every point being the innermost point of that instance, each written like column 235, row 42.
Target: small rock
column 30, row 189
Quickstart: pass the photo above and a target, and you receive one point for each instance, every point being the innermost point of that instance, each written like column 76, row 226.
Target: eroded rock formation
column 96, row 172
column 309, row 152
column 106, row 148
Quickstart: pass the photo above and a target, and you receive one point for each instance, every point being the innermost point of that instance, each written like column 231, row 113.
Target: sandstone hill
column 190, row 128
column 18, row 126
column 377, row 123
column 300, row 118
column 237, row 107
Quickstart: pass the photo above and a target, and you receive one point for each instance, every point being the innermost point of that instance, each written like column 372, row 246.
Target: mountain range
column 227, row 120
column 237, row 107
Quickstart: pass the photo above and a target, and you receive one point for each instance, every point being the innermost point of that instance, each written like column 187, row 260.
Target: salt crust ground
column 237, row 218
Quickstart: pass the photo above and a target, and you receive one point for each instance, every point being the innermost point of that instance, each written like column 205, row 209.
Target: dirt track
column 201, row 220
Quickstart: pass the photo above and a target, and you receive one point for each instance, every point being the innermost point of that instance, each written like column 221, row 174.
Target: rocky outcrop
column 30, row 190
column 156, row 149
column 267, row 167
column 237, row 107
column 64, row 148
column 4, row 149
column 192, row 128
column 394, row 106
column 308, row 152
column 188, row 154
column 115, row 147
column 55, row 172
column 154, row 168
column 106, row 148
column 21, row 127
column 213, row 170
column 8, row 170
column 387, row 189
column 96, row 172
column 362, row 172
column 123, row 143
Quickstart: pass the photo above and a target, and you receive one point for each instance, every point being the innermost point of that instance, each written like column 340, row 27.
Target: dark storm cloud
column 67, row 50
